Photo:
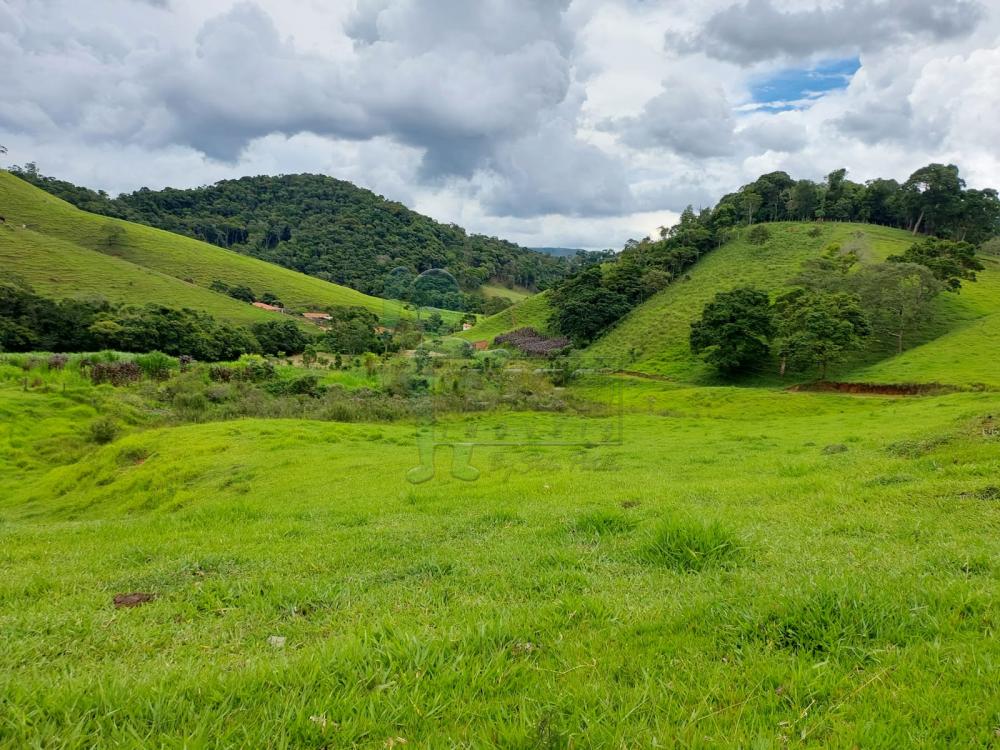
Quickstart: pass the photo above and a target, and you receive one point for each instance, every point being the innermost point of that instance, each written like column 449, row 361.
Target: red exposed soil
column 876, row 389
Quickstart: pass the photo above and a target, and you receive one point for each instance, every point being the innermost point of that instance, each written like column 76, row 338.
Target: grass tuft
column 850, row 620
column 692, row 546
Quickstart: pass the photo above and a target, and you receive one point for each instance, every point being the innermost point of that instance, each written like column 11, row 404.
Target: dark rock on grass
column 835, row 448
column 136, row 599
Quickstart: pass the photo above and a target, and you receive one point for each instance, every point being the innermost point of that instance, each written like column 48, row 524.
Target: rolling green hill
column 320, row 226
column 66, row 252
column 57, row 268
column 653, row 338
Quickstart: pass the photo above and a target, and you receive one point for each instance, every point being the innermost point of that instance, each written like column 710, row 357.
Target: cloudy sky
column 549, row 122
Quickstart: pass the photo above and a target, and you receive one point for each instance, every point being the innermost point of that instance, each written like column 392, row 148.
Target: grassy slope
column 533, row 311
column 518, row 610
column 966, row 354
column 517, row 294
column 57, row 268
column 654, row 337
column 192, row 262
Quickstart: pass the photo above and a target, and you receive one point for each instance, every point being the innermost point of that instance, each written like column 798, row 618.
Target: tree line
column 31, row 322
column 933, row 202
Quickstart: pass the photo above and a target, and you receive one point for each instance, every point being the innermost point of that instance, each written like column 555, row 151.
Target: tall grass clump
column 692, row 546
column 849, row 620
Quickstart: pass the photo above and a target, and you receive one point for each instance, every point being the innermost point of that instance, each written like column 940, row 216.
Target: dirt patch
column 136, row 599
column 876, row 389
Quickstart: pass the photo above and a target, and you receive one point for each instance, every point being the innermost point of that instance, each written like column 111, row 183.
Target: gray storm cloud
column 759, row 30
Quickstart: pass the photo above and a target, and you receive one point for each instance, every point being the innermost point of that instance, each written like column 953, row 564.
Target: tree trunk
column 784, row 364
column 899, row 341
column 920, row 220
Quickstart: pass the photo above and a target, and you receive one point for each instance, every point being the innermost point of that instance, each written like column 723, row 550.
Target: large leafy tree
column 897, row 297
column 733, row 331
column 818, row 328
column 950, row 262
column 980, row 216
column 932, row 197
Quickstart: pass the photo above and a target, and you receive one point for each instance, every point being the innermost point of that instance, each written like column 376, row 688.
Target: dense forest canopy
column 933, row 203
column 324, row 227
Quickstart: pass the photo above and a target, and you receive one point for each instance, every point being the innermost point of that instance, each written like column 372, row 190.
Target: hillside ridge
column 45, row 238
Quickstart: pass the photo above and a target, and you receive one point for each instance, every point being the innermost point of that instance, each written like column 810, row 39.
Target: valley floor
column 750, row 567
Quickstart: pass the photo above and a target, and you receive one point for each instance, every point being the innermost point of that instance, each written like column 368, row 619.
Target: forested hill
column 321, row 226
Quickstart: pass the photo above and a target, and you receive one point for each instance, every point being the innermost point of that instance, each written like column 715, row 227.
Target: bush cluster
column 530, row 341
column 115, row 373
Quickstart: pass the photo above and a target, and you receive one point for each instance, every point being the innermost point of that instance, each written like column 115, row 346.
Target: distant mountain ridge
column 322, row 226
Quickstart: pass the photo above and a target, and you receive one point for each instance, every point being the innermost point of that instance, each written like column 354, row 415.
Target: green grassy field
column 141, row 264
column 750, row 568
column 517, row 294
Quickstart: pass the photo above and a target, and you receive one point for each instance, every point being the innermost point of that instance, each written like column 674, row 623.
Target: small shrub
column 115, row 373
column 256, row 368
column 692, row 546
column 815, row 232
column 758, row 235
column 58, row 361
column 217, row 393
column 103, row 430
column 530, row 341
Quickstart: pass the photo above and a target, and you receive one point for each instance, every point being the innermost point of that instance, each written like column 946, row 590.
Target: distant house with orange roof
column 317, row 316
column 269, row 308
column 481, row 346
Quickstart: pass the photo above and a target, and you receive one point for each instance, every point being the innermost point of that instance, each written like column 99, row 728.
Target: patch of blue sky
column 797, row 88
